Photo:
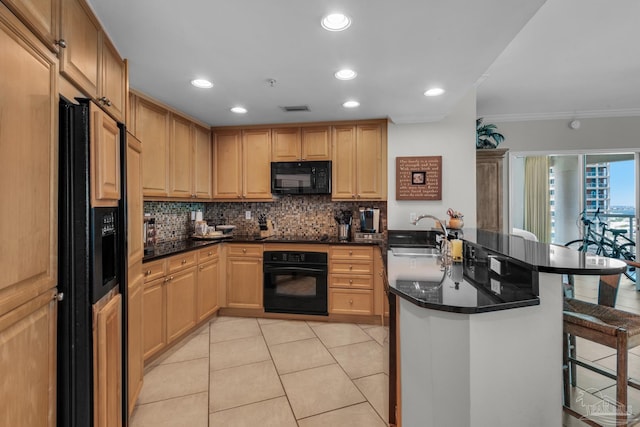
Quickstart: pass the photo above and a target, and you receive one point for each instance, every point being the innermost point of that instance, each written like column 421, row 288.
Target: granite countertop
column 166, row 249
column 460, row 287
column 544, row 257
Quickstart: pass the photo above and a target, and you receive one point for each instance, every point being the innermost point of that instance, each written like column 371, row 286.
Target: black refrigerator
column 91, row 263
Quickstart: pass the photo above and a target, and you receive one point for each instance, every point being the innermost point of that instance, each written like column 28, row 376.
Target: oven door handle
column 294, row 269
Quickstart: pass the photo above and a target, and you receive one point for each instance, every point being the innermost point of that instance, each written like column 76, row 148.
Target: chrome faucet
column 443, row 246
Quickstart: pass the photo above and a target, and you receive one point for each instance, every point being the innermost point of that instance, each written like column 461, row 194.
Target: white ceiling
column 572, row 56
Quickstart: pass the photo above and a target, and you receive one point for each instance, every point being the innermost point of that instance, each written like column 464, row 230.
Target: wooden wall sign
column 419, row 178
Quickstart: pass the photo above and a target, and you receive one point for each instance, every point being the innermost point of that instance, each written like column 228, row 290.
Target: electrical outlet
column 412, row 216
column 247, row 214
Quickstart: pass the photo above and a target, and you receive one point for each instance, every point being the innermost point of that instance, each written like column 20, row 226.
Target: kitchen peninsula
column 478, row 342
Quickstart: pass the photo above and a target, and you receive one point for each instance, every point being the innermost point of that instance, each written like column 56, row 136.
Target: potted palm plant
column 487, row 135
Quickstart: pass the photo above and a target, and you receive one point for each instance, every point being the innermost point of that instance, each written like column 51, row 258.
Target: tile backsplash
column 302, row 216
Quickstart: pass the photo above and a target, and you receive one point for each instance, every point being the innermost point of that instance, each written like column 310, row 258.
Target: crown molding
column 592, row 114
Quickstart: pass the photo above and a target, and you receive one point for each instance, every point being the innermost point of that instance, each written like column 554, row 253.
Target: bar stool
column 603, row 324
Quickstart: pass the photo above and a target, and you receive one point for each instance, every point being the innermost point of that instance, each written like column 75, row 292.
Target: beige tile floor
column 260, row 372
column 592, row 389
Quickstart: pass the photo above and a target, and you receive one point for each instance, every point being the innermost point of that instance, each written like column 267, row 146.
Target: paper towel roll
column 199, row 216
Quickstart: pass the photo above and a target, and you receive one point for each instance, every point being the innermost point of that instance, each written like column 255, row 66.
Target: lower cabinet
column 244, row 276
column 135, row 343
column 207, row 298
column 154, row 335
column 179, row 292
column 28, row 363
column 181, row 303
column 351, row 280
column 107, row 371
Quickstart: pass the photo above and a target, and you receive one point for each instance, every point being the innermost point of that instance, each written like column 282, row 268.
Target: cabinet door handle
column 244, row 251
column 62, row 43
column 202, row 267
column 184, row 261
column 351, row 302
column 351, row 267
column 350, row 253
column 147, row 273
column 350, row 281
column 106, row 101
column 210, row 253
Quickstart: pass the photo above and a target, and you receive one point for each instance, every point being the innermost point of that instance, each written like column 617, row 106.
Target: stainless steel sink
column 421, row 252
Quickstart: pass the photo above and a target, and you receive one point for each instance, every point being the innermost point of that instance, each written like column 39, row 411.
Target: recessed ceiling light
column 239, row 110
column 202, row 83
column 351, row 104
column 436, row 91
column 336, row 22
column 345, row 74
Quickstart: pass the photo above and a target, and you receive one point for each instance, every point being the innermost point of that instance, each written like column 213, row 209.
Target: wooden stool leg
column 573, row 354
column 622, row 377
column 565, row 369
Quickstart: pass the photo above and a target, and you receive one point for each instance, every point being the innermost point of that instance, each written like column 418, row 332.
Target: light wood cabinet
column 180, row 158
column 90, row 60
column 28, row 169
column 227, row 164
column 202, row 163
column 242, row 164
column 80, row 45
column 135, row 238
column 28, row 363
column 359, row 170
column 244, row 276
column 42, row 17
column 107, row 355
column 292, row 144
column 135, row 341
column 181, row 303
column 152, row 128
column 135, row 246
column 113, row 80
column 208, row 281
column 489, row 195
column 177, row 151
column 153, row 317
column 351, row 282
column 256, row 155
column 179, row 292
column 105, row 158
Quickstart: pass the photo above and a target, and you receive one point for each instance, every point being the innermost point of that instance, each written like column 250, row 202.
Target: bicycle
column 598, row 243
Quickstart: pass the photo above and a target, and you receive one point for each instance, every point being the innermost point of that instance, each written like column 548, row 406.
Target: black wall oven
column 295, row 282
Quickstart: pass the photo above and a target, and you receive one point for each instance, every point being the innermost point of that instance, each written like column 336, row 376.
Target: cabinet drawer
column 351, row 281
column 352, row 252
column 245, row 250
column 346, row 301
column 208, row 253
column 153, row 270
column 350, row 267
column 179, row 262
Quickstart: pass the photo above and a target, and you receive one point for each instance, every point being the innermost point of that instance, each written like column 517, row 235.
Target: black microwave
column 301, row 177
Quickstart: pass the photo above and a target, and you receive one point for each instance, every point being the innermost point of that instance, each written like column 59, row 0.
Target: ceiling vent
column 294, row 108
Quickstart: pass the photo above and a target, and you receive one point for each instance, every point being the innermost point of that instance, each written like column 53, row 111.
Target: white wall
column 453, row 138
column 552, row 136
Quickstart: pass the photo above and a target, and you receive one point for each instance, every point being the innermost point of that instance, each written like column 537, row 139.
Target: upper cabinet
column 177, row 151
column 80, row 45
column 242, row 164
column 180, row 158
column 359, row 161
column 292, row 144
column 89, row 59
column 202, row 162
column 105, row 159
column 112, row 94
column 152, row 129
column 41, row 16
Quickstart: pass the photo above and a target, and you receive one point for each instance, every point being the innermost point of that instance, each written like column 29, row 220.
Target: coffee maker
column 369, row 220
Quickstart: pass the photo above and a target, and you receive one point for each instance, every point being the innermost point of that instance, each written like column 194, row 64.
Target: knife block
column 269, row 231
